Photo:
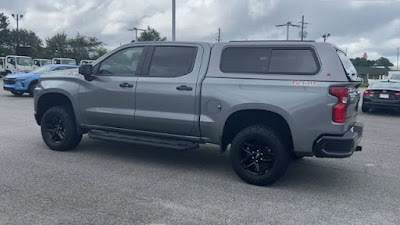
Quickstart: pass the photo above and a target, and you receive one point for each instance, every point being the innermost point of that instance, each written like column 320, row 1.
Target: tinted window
column 292, row 61
column 245, row 60
column 172, row 61
column 124, row 62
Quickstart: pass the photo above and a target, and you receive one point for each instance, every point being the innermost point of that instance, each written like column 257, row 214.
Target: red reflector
column 397, row 94
column 340, row 109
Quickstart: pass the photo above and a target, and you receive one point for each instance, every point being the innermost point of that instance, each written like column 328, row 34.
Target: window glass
column 42, row 70
column 11, row 60
column 395, row 77
column 292, row 61
column 124, row 62
column 172, row 61
column 385, row 84
column 351, row 71
column 68, row 61
column 1, row 62
column 23, row 61
column 245, row 60
column 46, row 62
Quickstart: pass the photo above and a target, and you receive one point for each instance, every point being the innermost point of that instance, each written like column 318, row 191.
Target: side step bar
column 143, row 140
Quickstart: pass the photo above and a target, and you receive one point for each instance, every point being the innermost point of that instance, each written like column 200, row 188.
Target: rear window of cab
column 267, row 60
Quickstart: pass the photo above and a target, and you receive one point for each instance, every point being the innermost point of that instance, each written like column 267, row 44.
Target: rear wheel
column 59, row 130
column 17, row 93
column 259, row 156
column 364, row 108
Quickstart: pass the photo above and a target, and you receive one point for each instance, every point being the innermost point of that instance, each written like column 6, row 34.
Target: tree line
column 382, row 61
column 59, row 45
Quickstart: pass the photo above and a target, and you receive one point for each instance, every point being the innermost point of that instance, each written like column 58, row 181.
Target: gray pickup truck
column 266, row 101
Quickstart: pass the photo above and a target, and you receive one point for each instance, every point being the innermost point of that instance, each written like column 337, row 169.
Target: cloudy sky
column 371, row 26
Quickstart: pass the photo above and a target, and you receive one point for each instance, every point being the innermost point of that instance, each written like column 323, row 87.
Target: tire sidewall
column 274, row 142
column 31, row 88
column 71, row 138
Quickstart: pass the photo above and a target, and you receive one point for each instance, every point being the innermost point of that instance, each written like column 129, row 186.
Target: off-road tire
column 275, row 145
column 69, row 132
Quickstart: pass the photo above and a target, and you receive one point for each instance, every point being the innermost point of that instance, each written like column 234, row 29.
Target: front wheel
column 59, row 130
column 31, row 89
column 17, row 93
column 259, row 156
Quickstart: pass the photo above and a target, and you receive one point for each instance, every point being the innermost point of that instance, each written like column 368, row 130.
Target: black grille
column 9, row 81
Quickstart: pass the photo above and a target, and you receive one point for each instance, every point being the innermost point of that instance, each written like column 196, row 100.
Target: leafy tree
column 151, row 35
column 4, row 36
column 382, row 61
column 362, row 62
column 57, row 45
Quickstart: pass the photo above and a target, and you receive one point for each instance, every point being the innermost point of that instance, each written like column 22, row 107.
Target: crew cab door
column 109, row 99
column 166, row 91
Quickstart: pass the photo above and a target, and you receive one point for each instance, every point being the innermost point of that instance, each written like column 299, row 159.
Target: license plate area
column 384, row 96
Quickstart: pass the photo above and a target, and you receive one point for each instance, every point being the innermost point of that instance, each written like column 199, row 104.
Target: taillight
column 397, row 94
column 368, row 92
column 340, row 109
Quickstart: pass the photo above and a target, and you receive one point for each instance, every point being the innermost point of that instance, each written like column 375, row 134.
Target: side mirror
column 86, row 71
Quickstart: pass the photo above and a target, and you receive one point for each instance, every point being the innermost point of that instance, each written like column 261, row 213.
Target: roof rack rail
column 273, row 41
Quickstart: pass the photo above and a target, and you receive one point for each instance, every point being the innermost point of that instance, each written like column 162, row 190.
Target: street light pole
column 173, row 19
column 398, row 49
column 136, row 32
column 17, row 17
column 288, row 24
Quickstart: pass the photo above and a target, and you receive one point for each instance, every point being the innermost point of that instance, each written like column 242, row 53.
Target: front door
column 166, row 92
column 109, row 99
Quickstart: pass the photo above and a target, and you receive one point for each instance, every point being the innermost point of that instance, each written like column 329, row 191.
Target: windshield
column 42, row 70
column 348, row 66
column 68, row 61
column 24, row 61
column 46, row 62
column 386, row 84
column 395, row 77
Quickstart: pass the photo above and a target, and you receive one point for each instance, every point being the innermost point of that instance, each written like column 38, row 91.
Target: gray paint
column 155, row 106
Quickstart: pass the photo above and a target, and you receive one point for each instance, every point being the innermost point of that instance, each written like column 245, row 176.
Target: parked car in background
column 86, row 61
column 382, row 95
column 63, row 61
column 40, row 62
column 394, row 75
column 2, row 69
column 269, row 101
column 18, row 64
column 18, row 84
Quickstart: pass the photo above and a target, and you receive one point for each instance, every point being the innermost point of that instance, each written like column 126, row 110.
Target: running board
column 143, row 140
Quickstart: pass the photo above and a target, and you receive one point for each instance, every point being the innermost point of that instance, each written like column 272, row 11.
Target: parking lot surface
column 114, row 183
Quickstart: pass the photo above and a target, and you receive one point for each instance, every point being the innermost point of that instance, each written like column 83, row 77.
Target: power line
column 287, row 25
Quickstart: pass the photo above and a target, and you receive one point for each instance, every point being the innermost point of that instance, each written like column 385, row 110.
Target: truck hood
column 60, row 74
column 22, row 75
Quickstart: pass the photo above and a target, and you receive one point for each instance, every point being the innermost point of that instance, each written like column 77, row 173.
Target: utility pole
column 17, row 17
column 219, row 35
column 173, row 19
column 136, row 32
column 326, row 36
column 303, row 33
column 288, row 24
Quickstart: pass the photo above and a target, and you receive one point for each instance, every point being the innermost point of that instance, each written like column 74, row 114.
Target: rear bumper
column 330, row 146
column 382, row 105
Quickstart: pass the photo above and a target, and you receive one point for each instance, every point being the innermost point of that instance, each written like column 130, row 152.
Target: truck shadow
column 209, row 161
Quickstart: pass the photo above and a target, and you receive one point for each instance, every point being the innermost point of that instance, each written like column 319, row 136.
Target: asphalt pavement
column 114, row 183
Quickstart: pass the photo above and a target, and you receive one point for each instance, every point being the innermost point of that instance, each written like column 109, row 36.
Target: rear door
column 166, row 92
column 354, row 82
column 109, row 99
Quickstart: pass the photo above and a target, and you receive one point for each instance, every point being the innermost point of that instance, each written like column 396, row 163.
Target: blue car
column 22, row 83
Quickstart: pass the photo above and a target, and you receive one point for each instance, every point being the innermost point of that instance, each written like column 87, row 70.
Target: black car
column 382, row 94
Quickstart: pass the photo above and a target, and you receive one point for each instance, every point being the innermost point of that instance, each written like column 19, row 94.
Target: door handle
column 126, row 85
column 184, row 88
